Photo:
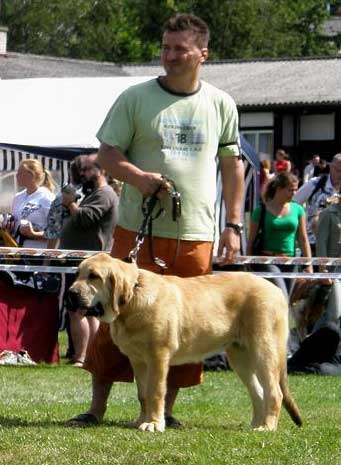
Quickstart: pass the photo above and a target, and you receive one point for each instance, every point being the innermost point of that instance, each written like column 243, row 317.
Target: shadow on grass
column 10, row 422
column 15, row 422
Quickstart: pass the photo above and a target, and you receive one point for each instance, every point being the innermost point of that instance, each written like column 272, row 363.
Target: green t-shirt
column 280, row 233
column 178, row 136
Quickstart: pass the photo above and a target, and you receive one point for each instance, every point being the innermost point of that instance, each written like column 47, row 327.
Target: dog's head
column 104, row 282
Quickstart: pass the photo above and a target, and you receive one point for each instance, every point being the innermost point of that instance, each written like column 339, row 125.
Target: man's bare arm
column 232, row 172
column 115, row 163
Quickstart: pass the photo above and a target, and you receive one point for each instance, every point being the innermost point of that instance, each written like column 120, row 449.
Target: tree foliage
column 130, row 30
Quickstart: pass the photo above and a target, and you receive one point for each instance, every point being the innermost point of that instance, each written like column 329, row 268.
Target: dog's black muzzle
column 97, row 310
column 73, row 302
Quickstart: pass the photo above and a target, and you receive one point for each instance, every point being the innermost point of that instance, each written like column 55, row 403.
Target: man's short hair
column 194, row 24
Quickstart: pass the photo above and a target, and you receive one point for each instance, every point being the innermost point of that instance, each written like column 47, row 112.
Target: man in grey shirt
column 91, row 223
column 90, row 226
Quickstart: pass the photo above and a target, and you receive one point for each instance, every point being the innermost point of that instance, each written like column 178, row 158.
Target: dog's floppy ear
column 123, row 280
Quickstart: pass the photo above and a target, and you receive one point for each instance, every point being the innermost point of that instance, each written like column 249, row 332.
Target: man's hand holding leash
column 149, row 183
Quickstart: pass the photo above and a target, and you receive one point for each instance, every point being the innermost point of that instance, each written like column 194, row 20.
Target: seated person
column 320, row 351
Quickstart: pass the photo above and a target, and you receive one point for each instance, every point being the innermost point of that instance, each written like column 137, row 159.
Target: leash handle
column 149, row 203
column 148, row 206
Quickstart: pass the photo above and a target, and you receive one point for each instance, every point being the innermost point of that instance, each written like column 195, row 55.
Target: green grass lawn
column 35, row 402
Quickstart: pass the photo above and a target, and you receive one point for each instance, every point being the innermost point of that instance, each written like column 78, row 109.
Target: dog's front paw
column 153, row 426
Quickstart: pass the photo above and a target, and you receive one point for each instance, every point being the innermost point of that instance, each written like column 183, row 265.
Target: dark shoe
column 77, row 363
column 172, row 422
column 83, row 420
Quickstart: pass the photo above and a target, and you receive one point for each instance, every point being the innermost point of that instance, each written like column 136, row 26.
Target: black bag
column 257, row 245
column 41, row 282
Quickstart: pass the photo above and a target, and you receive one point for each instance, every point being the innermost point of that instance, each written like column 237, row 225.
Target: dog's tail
column 288, row 401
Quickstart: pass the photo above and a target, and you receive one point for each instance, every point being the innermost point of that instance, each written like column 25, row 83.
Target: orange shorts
column 104, row 360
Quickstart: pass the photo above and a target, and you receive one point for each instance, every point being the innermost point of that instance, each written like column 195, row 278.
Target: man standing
column 311, row 168
column 90, row 226
column 169, row 128
column 315, row 192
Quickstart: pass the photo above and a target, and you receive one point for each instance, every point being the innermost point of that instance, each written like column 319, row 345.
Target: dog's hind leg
column 241, row 362
column 269, row 377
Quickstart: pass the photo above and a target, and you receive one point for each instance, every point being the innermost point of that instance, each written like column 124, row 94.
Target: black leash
column 148, row 207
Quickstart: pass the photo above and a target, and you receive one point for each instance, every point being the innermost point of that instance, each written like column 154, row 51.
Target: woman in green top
column 284, row 223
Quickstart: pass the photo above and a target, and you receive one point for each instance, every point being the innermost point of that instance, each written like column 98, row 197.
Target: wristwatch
column 238, row 227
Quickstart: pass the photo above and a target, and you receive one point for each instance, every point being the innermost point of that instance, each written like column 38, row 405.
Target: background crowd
column 306, row 221
column 291, row 220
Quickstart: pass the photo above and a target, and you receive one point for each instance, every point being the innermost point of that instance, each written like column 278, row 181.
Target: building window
column 256, row 119
column 262, row 140
column 288, row 135
column 317, row 127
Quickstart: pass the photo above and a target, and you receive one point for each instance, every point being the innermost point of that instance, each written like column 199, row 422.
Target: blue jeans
column 286, row 284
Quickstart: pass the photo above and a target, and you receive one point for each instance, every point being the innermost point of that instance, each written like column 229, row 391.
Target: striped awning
column 10, row 160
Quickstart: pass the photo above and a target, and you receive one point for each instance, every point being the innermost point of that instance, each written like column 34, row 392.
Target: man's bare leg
column 169, row 403
column 79, row 327
column 95, row 414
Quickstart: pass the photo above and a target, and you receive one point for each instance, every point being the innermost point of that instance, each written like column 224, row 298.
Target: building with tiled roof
column 269, row 83
column 252, row 83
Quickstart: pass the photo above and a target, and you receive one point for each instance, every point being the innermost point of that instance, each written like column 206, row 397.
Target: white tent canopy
column 39, row 117
column 57, row 112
